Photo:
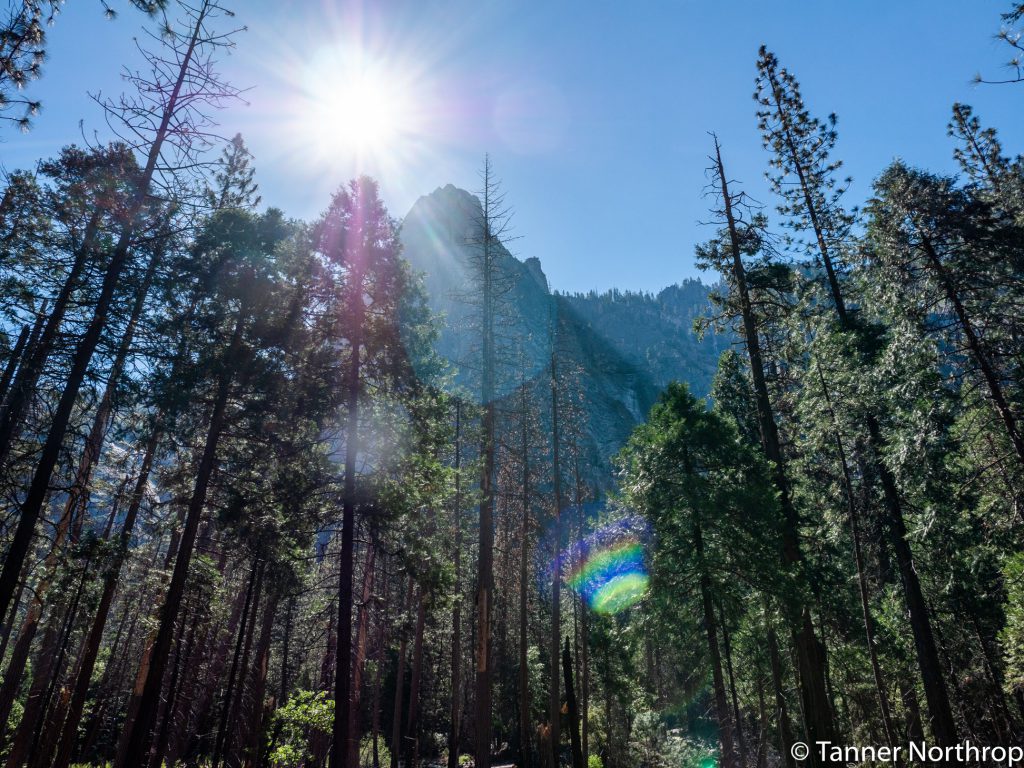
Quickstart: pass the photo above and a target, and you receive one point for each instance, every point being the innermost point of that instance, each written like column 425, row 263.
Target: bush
column 305, row 713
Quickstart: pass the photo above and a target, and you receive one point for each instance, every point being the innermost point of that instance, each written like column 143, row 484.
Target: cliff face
column 625, row 346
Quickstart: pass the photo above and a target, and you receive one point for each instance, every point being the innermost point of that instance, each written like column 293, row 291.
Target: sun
column 351, row 108
column 361, row 110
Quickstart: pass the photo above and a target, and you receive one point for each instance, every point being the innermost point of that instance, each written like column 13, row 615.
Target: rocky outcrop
column 625, row 346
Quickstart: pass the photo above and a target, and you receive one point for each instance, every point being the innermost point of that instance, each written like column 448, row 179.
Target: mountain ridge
column 627, row 345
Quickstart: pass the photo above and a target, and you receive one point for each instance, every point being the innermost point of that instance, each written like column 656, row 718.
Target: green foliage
column 1012, row 635
column 653, row 745
column 686, row 469
column 366, row 751
column 304, row 714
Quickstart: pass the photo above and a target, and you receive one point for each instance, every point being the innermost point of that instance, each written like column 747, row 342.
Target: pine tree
column 189, row 87
column 805, row 181
column 744, row 237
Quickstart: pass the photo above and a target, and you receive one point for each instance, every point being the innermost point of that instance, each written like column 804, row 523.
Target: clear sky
column 595, row 113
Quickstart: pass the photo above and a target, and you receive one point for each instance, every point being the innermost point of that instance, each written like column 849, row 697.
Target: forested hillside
column 659, row 333
column 349, row 490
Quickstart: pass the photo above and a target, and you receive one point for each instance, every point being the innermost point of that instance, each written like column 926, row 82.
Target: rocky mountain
column 626, row 346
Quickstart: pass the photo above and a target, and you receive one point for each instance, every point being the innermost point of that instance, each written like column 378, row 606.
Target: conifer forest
column 361, row 490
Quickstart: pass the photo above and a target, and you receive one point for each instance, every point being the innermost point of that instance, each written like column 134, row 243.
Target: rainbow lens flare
column 608, row 569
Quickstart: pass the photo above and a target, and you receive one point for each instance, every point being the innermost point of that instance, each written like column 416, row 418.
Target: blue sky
column 595, row 113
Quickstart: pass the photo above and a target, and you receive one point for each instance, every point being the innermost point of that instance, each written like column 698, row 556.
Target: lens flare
column 608, row 568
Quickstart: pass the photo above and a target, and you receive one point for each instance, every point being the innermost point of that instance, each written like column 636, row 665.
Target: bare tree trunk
column 485, row 554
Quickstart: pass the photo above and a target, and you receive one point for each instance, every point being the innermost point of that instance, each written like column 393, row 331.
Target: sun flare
column 361, row 110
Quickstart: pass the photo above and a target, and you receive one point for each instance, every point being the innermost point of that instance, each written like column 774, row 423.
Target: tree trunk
column 988, row 371
column 858, row 559
column 180, row 653
column 14, row 360
column 943, row 726
column 340, row 749
column 412, row 721
column 74, row 507
column 375, row 727
column 711, row 634
column 138, row 731
column 360, row 656
column 90, row 650
column 781, row 712
column 41, row 344
column 818, row 712
column 584, row 624
column 255, row 724
column 574, row 713
column 485, row 578
column 761, row 759
column 525, row 749
column 282, row 695
column 167, row 745
column 78, row 493
column 234, row 755
column 554, row 693
column 249, row 609
column 396, row 722
column 485, row 554
column 28, row 513
column 737, row 717
column 456, row 660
